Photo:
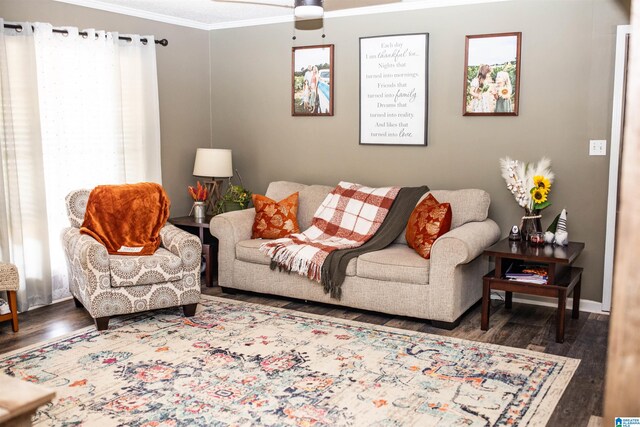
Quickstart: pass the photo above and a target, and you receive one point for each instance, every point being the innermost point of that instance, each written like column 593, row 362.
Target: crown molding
column 252, row 22
column 367, row 10
column 405, row 6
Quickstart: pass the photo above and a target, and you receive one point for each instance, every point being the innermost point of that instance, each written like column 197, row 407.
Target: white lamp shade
column 308, row 12
column 213, row 162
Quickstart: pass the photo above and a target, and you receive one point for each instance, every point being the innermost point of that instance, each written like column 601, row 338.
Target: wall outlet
column 598, row 147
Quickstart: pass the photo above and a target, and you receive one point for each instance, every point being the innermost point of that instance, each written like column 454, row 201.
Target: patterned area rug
column 237, row 363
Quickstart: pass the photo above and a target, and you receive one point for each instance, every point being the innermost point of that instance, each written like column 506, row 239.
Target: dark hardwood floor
column 524, row 326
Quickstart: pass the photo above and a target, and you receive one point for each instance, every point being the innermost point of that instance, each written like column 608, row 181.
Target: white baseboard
column 585, row 305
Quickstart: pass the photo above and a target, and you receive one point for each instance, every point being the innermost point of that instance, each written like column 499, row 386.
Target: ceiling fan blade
column 258, row 3
column 335, row 5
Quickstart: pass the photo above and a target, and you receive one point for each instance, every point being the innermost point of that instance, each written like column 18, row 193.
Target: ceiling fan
column 302, row 9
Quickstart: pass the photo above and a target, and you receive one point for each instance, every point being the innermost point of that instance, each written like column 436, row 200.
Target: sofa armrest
column 455, row 273
column 235, row 225
column 463, row 244
column 230, row 228
column 184, row 245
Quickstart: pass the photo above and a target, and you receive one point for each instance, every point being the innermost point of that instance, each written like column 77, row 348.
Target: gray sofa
column 395, row 280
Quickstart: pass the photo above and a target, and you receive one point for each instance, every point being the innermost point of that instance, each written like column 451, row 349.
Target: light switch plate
column 598, row 147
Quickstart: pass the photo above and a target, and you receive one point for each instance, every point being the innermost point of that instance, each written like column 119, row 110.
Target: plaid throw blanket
column 348, row 217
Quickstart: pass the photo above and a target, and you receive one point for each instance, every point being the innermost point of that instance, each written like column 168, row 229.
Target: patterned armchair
column 110, row 285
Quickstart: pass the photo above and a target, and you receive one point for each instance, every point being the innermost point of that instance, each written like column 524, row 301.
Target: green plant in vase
column 236, row 197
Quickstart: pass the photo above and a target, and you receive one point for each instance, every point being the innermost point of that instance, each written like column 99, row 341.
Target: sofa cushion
column 309, row 199
column 428, row 221
column 278, row 190
column 273, row 219
column 162, row 266
column 249, row 251
column 395, row 263
column 467, row 205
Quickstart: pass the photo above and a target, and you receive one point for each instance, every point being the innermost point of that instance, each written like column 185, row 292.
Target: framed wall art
column 492, row 75
column 394, row 89
column 312, row 81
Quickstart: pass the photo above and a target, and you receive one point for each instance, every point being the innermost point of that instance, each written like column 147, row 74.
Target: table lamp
column 213, row 164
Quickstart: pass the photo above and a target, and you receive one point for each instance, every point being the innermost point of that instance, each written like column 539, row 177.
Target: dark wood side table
column 209, row 243
column 562, row 280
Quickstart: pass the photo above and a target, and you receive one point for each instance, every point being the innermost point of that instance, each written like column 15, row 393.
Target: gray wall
column 565, row 100
column 183, row 82
column 567, row 77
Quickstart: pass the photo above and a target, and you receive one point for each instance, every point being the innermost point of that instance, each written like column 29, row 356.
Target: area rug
column 237, row 364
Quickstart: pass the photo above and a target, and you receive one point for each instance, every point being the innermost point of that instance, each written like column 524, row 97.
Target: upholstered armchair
column 110, row 285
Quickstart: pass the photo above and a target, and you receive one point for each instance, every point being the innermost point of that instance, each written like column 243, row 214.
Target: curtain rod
column 18, row 28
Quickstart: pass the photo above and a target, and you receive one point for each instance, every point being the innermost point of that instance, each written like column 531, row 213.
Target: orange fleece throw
column 127, row 218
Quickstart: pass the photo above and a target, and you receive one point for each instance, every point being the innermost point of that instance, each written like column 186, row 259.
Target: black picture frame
column 394, row 89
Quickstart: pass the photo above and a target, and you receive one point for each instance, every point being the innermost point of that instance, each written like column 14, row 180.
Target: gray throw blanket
column 334, row 267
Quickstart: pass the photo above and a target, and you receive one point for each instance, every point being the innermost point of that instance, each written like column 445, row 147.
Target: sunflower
column 539, row 195
column 505, row 93
column 542, row 183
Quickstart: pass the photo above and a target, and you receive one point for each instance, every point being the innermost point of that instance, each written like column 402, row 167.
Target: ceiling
column 216, row 14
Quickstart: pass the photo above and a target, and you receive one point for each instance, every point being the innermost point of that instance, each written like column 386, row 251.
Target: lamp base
column 213, row 190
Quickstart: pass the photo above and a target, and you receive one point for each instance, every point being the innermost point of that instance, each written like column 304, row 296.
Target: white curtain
column 78, row 111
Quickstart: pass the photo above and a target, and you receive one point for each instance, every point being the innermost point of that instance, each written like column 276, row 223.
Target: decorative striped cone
column 562, row 235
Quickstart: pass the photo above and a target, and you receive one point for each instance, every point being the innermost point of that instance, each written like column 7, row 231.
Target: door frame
column 617, row 121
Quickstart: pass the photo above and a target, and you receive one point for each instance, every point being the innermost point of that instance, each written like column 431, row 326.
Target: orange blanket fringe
column 127, row 218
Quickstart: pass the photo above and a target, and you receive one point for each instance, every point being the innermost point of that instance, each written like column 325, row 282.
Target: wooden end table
column 563, row 278
column 209, row 243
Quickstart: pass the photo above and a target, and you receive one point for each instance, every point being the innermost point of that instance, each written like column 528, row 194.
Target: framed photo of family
column 312, row 80
column 492, row 75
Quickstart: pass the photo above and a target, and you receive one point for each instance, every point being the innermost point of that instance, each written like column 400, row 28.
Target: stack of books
column 532, row 273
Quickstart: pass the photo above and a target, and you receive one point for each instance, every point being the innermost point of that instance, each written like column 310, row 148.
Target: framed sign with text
column 394, row 89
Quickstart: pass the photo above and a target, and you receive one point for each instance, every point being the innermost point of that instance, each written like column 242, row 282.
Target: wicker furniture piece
column 110, row 285
column 9, row 282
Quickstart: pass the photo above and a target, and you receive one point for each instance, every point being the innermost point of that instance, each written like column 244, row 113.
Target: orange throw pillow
column 275, row 219
column 428, row 221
